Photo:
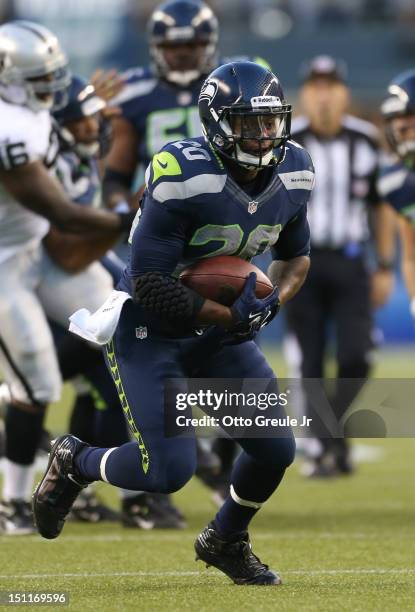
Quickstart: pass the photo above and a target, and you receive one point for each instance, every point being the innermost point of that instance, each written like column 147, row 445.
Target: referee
column 338, row 288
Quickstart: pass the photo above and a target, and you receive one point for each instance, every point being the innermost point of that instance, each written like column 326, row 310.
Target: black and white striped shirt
column 346, row 169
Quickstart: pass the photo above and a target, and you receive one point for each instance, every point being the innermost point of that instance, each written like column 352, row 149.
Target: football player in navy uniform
column 240, row 189
column 159, row 104
column 397, row 180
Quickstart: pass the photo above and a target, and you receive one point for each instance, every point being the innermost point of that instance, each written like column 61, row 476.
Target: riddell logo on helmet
column 180, row 33
column 259, row 101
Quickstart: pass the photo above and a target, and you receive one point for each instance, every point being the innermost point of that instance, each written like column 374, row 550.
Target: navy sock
column 233, row 519
column 252, row 485
column 88, row 462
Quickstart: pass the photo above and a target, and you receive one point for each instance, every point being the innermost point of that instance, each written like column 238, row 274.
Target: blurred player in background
column 159, row 103
column 85, row 138
column 33, row 78
column 345, row 153
column 397, row 178
column 246, row 187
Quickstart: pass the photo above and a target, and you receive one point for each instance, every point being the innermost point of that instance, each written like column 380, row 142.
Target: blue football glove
column 250, row 314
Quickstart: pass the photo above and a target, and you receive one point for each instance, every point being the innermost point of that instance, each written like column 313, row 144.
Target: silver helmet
column 33, row 66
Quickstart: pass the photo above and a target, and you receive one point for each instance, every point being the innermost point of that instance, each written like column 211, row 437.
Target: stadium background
column 357, row 533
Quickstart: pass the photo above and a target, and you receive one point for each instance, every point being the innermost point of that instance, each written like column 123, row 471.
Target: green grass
column 347, row 544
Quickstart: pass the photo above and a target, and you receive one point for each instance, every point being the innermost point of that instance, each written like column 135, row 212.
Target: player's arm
column 384, row 231
column 121, row 164
column 75, row 252
column 33, row 187
column 289, row 276
column 407, row 233
column 157, row 246
column 291, row 260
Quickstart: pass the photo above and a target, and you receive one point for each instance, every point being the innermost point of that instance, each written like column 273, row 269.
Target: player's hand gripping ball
column 239, row 284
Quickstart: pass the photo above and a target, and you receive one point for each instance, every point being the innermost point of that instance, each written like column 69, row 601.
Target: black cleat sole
column 48, row 524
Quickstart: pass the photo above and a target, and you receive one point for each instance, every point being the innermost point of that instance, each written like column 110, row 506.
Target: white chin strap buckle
column 253, row 160
column 182, row 77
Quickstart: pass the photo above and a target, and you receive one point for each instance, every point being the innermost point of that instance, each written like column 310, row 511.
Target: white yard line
column 145, row 536
column 305, row 572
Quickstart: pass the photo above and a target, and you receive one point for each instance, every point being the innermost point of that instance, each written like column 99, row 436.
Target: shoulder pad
column 133, row 74
column 391, row 179
column 183, row 170
column 139, row 82
column 24, row 135
column 296, row 172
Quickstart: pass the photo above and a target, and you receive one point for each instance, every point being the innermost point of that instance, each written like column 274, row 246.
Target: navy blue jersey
column 397, row 186
column 159, row 111
column 192, row 209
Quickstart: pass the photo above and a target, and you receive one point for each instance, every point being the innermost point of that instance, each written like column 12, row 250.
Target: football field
column 344, row 544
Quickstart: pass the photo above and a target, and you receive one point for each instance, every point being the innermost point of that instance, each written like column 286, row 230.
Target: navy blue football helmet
column 400, row 102
column 178, row 22
column 82, row 101
column 244, row 115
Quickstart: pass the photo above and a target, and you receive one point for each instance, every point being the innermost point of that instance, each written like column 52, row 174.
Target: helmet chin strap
column 177, row 77
column 87, row 150
column 406, row 148
column 252, row 161
column 82, row 149
column 185, row 77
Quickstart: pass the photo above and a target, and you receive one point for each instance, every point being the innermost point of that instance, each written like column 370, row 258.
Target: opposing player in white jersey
column 33, row 74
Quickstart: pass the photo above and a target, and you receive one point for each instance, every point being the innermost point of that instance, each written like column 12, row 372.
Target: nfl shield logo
column 141, row 332
column 252, row 207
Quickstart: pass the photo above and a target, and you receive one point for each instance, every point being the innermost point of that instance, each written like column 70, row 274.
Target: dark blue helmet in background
column 399, row 103
column 183, row 22
column 244, row 114
column 82, row 102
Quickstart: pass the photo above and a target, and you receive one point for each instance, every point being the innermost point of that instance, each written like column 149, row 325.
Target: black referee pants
column 336, row 290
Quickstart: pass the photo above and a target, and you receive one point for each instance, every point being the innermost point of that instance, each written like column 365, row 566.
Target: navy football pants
column 139, row 368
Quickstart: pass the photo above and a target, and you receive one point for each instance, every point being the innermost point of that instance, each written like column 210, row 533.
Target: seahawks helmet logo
column 208, row 91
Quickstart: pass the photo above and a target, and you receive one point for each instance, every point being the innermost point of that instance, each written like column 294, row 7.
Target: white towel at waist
column 99, row 327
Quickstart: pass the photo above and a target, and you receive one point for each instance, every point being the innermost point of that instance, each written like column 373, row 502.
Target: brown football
column 222, row 278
